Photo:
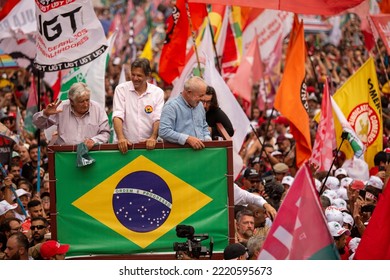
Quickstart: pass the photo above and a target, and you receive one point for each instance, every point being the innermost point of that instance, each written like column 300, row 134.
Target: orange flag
column 291, row 98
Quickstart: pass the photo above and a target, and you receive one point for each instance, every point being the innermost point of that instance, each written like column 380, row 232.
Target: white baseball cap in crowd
column 340, row 171
column 21, row 192
column 288, row 180
column 345, row 182
column 340, row 204
column 5, row 207
column 333, row 214
column 375, row 181
column 354, row 243
column 332, row 183
column 347, row 219
column 342, row 193
column 276, row 153
column 337, row 230
column 331, row 194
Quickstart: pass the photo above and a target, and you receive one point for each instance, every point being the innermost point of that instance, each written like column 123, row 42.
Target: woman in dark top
column 215, row 115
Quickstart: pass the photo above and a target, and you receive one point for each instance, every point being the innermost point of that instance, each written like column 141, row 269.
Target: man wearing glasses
column 38, row 230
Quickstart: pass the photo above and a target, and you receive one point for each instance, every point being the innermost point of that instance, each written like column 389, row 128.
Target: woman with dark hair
column 214, row 114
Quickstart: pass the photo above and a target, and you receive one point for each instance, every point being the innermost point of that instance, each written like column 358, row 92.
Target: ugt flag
column 300, row 231
column 69, row 35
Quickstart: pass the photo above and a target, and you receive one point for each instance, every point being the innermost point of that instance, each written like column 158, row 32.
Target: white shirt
column 138, row 112
column 242, row 197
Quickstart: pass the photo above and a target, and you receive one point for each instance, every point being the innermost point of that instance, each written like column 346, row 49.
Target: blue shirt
column 179, row 120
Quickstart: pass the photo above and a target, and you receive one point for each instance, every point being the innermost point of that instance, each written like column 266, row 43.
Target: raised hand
column 51, row 109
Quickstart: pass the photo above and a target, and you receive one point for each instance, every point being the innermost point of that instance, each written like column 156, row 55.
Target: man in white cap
column 6, row 210
column 332, row 183
column 340, row 173
column 374, row 186
column 340, row 234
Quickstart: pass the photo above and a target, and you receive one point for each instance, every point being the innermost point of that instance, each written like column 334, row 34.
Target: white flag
column 69, row 35
column 232, row 109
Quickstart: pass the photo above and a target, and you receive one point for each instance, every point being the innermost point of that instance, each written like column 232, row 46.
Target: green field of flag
column 131, row 204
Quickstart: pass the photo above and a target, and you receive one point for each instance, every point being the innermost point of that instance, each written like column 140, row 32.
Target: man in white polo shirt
column 137, row 107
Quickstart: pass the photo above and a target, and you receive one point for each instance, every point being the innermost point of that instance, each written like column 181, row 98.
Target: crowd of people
column 142, row 113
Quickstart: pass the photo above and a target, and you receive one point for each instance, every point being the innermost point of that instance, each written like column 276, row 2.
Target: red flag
column 325, row 143
column 8, row 6
column 300, row 231
column 312, row 7
column 381, row 22
column 248, row 73
column 375, row 242
column 173, row 53
column 291, row 98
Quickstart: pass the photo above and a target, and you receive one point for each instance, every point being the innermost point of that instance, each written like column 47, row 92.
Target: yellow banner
column 360, row 101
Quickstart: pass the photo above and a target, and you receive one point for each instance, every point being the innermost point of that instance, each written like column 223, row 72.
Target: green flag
column 128, row 204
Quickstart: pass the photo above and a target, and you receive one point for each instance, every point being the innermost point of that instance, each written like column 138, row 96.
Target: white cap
column 345, row 182
column 354, row 243
column 269, row 112
column 5, row 207
column 332, row 183
column 333, row 214
column 340, row 171
column 376, row 182
column 288, row 180
column 21, row 192
column 276, row 153
column 318, row 184
column 342, row 193
column 337, row 230
column 347, row 219
column 331, row 194
column 340, row 204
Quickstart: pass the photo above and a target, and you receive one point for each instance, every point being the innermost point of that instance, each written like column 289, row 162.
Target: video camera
column 193, row 246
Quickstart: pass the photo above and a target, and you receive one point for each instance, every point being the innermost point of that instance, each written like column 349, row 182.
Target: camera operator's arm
column 244, row 197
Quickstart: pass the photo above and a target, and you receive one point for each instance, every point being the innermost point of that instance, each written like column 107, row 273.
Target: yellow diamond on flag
column 142, row 201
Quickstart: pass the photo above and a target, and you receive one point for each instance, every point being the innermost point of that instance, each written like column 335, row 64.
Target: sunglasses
column 37, row 227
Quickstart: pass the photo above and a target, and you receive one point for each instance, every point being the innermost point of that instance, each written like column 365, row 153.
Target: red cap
column 358, row 185
column 51, row 248
column 282, row 120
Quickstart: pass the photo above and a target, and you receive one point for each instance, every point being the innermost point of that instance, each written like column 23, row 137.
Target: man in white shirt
column 137, row 107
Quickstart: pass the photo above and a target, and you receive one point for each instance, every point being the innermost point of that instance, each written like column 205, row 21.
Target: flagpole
column 213, row 38
column 193, row 37
column 39, row 134
column 262, row 148
column 344, row 136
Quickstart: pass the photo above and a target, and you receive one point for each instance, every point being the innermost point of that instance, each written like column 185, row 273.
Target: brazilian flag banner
column 131, row 204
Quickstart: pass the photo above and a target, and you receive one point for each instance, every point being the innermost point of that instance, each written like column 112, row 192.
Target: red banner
column 382, row 25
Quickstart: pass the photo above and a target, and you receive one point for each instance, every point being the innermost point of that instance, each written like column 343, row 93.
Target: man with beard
column 259, row 215
column 17, row 247
column 245, row 225
column 38, row 230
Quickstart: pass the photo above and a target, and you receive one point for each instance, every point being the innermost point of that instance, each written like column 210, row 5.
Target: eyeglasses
column 254, row 181
column 37, row 227
column 206, row 102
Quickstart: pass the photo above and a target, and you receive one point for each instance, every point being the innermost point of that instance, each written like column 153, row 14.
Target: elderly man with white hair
column 78, row 119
